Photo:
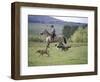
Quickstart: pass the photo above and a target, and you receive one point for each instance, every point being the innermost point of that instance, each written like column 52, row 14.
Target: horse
column 57, row 38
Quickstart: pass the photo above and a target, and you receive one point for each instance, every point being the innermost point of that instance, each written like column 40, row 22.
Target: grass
column 75, row 55
column 35, row 38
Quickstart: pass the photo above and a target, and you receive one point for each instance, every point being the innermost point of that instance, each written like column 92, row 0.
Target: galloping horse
column 58, row 38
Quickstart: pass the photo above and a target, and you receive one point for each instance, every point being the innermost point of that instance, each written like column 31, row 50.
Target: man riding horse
column 53, row 33
column 52, row 37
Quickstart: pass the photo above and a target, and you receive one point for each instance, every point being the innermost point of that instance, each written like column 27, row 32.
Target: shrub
column 80, row 35
column 35, row 39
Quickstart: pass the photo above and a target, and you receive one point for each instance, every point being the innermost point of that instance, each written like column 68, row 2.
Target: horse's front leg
column 48, row 45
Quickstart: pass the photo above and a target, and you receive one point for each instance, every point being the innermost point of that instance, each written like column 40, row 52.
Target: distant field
column 77, row 54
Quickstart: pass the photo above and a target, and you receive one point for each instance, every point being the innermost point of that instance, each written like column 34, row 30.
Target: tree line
column 76, row 33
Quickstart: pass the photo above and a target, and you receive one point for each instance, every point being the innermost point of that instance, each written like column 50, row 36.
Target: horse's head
column 45, row 32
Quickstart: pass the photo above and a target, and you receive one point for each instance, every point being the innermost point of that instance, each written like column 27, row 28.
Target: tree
column 68, row 31
column 80, row 35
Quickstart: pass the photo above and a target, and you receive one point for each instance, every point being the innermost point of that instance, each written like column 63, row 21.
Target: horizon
column 55, row 19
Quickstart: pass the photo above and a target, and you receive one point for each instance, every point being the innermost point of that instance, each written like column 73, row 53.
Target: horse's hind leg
column 40, row 55
column 48, row 55
column 48, row 45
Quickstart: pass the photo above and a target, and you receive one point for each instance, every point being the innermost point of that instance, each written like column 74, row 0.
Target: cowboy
column 53, row 34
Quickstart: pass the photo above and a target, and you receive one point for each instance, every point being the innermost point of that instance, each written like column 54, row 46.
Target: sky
column 73, row 19
column 56, row 19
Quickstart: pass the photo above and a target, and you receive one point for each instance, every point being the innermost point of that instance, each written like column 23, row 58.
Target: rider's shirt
column 53, row 30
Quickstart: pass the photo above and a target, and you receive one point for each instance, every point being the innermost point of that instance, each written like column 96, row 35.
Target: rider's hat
column 52, row 26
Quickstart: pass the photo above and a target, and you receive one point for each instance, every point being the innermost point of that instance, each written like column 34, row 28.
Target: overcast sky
column 56, row 19
column 74, row 19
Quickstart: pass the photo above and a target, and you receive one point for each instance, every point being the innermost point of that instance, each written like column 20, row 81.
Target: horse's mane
column 47, row 32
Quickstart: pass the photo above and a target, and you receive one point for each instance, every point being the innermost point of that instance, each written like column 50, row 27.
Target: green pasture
column 77, row 54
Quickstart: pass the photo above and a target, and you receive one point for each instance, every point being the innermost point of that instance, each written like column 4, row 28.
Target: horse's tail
column 65, row 40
